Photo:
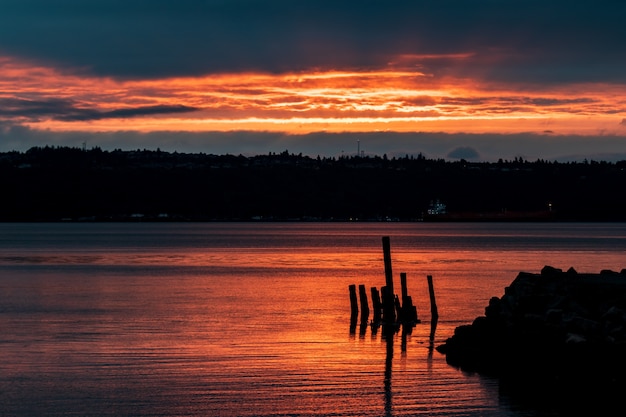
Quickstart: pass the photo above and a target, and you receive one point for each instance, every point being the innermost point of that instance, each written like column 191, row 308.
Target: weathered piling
column 389, row 314
column 354, row 304
column 434, row 314
column 403, row 313
column 398, row 307
column 408, row 312
column 405, row 292
column 389, row 310
column 365, row 311
column 387, row 261
column 376, row 305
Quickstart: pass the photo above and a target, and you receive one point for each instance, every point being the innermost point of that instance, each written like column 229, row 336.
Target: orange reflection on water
column 250, row 329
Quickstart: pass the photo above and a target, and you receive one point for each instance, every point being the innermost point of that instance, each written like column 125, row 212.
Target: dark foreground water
column 254, row 319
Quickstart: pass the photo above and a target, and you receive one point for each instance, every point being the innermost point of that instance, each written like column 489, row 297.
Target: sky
column 475, row 79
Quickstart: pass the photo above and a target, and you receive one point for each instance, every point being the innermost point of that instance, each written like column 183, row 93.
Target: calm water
column 254, row 319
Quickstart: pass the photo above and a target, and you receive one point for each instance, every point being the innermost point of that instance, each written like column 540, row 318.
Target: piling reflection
column 389, row 331
column 431, row 337
column 388, row 335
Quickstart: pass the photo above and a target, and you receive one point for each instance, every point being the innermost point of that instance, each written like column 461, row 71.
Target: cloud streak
column 67, row 111
column 304, row 102
column 298, row 68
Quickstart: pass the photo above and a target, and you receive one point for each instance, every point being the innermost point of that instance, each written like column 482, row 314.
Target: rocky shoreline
column 554, row 327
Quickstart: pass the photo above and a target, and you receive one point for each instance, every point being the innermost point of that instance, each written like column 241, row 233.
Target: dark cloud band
column 67, row 110
column 522, row 41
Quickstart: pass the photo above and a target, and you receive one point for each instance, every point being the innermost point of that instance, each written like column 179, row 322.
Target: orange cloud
column 335, row 101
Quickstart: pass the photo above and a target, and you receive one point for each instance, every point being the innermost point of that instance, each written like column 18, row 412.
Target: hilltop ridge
column 61, row 183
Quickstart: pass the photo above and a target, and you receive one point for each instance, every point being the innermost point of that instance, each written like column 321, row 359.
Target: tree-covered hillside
column 54, row 184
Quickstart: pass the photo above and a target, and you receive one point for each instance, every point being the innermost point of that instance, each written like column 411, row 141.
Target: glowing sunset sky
column 474, row 79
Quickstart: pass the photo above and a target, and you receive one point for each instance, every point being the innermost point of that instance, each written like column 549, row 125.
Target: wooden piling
column 405, row 291
column 403, row 313
column 389, row 314
column 365, row 311
column 409, row 311
column 376, row 305
column 395, row 311
column 354, row 305
column 383, row 296
column 433, row 304
column 398, row 307
column 387, row 261
column 389, row 305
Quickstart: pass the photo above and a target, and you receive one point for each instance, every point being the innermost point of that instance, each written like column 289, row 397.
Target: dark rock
column 564, row 326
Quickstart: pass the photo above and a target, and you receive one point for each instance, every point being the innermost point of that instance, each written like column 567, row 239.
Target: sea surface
column 253, row 319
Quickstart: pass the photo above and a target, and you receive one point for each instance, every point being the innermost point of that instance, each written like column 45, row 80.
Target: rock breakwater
column 560, row 325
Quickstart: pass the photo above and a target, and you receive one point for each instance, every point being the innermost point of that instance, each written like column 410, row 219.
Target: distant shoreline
column 268, row 221
column 71, row 184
